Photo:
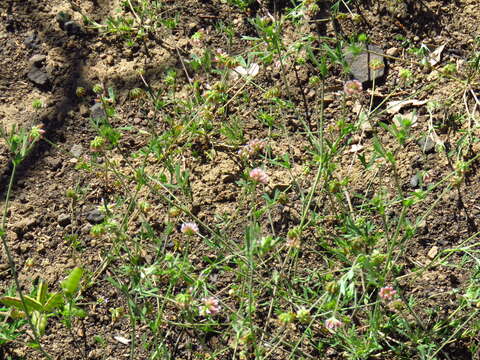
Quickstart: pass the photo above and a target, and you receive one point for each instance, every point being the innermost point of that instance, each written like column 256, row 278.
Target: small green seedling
column 42, row 306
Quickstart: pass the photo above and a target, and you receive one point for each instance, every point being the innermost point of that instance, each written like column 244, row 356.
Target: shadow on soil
column 24, row 17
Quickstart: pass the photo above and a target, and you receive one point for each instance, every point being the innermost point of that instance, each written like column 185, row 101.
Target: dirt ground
column 41, row 216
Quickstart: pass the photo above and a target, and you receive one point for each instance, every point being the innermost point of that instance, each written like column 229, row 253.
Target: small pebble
column 427, row 144
column 63, row 220
column 97, row 112
column 85, row 230
column 393, row 51
column 84, row 110
column 77, row 150
column 31, row 41
column 37, row 60
column 25, row 247
column 95, row 216
column 41, row 248
column 366, row 127
column 22, row 226
column 37, row 76
column 109, row 60
column 414, row 181
column 433, row 252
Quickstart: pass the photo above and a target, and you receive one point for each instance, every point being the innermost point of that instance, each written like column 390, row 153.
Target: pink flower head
column 259, row 175
column 427, row 178
column 256, row 145
column 253, row 147
column 293, row 243
column 219, row 55
column 36, row 132
column 189, row 228
column 333, row 324
column 210, row 306
column 353, row 87
column 293, row 238
column 387, row 293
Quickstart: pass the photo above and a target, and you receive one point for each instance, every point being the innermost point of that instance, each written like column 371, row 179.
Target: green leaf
column 378, row 147
column 71, row 283
column 30, row 303
column 77, row 312
column 33, row 345
column 250, row 38
column 55, row 301
column 42, row 292
column 12, row 302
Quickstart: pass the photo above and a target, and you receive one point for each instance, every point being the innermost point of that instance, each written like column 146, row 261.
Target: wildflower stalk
column 250, row 290
column 322, row 157
column 371, row 96
column 310, row 195
column 320, row 120
column 393, row 241
column 279, row 51
column 133, row 323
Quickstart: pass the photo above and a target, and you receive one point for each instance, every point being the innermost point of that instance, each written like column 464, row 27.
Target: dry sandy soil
column 41, row 217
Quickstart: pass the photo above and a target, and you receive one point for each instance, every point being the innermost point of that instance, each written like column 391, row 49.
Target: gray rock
column 414, row 181
column 63, row 220
column 37, row 60
column 361, row 63
column 95, row 216
column 31, row 41
column 37, row 76
column 77, row 150
column 72, row 28
column 427, row 144
column 97, row 112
